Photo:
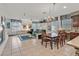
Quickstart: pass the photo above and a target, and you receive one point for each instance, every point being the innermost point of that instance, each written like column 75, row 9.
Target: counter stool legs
column 77, row 52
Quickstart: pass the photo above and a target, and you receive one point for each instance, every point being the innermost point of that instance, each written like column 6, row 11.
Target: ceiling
column 36, row 10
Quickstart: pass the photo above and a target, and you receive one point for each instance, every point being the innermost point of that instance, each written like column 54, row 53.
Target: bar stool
column 77, row 52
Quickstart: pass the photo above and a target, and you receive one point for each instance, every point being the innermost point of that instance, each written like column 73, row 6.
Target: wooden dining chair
column 62, row 38
column 73, row 35
column 45, row 39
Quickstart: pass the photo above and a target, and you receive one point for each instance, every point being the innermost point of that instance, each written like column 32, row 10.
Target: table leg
column 51, row 44
column 46, row 45
column 42, row 42
column 57, row 44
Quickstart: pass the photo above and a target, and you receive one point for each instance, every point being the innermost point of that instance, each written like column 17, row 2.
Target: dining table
column 53, row 37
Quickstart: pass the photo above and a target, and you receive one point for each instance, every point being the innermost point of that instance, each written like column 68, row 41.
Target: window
column 8, row 24
column 66, row 24
column 55, row 25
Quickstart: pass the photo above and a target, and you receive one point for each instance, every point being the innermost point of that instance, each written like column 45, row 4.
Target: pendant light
column 50, row 17
column 54, row 10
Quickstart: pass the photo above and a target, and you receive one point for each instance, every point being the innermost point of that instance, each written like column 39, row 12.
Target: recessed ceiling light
column 64, row 7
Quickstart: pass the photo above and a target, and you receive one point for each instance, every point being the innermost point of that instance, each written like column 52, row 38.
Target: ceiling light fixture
column 50, row 17
column 65, row 7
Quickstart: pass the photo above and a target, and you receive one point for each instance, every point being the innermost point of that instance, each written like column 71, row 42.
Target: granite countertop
column 74, row 42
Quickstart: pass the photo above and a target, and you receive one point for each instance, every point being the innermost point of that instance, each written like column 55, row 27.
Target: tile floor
column 33, row 47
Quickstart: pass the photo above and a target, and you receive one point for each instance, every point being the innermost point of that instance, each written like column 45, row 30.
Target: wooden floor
column 33, row 47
